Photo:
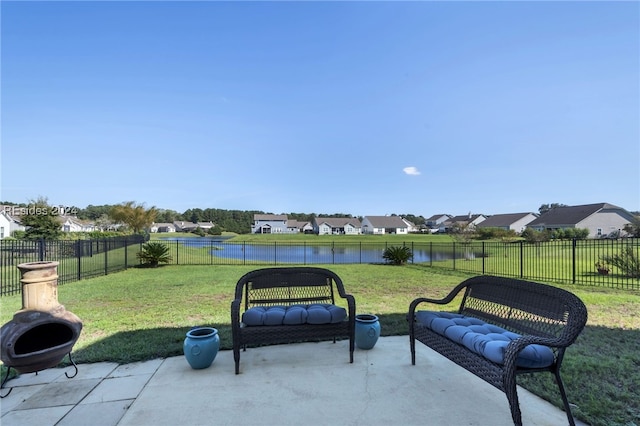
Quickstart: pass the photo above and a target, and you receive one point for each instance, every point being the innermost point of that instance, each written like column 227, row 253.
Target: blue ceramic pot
column 367, row 331
column 201, row 347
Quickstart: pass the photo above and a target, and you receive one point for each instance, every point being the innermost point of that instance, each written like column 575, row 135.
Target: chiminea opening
column 43, row 337
column 43, row 332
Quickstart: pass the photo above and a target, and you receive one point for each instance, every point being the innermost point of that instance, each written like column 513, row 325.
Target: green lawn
column 141, row 314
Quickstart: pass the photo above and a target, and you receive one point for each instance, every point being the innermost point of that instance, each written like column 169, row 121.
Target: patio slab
column 305, row 383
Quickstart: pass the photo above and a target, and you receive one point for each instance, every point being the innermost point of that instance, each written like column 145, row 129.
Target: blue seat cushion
column 320, row 313
column 485, row 339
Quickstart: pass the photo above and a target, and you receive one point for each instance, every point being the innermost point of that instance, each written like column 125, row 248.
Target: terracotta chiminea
column 43, row 331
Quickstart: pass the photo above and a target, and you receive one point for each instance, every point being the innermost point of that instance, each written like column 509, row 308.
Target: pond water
column 306, row 253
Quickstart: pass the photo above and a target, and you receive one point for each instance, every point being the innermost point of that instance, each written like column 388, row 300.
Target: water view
column 304, row 253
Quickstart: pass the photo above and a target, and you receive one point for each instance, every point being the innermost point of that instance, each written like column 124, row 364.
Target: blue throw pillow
column 325, row 314
column 295, row 315
column 487, row 340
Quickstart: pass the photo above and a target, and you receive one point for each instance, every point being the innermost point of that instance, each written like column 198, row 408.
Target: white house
column 162, row 227
column 469, row 221
column 381, row 225
column 516, row 222
column 73, row 224
column 270, row 224
column 8, row 224
column 337, row 226
column 434, row 222
column 600, row 219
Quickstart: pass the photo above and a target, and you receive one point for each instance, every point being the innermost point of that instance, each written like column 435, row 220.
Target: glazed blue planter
column 201, row 347
column 367, row 331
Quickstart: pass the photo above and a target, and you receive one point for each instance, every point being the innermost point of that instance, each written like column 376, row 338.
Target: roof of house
column 163, row 224
column 503, row 219
column 387, row 221
column 437, row 216
column 572, row 215
column 465, row 218
column 338, row 222
column 292, row 223
column 270, row 217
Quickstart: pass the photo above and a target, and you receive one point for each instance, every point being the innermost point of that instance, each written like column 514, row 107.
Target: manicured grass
column 142, row 314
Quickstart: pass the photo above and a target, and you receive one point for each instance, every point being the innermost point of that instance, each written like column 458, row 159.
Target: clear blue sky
column 366, row 108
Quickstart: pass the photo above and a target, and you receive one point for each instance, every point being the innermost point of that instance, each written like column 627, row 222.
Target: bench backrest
column 287, row 286
column 525, row 307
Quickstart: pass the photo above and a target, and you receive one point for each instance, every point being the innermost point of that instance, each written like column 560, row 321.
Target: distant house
column 162, row 227
column 516, row 222
column 8, row 224
column 182, row 226
column 381, row 225
column 435, row 220
column 73, row 224
column 337, row 226
column 411, row 227
column 270, row 224
column 294, row 226
column 600, row 219
column 469, row 221
column 433, row 223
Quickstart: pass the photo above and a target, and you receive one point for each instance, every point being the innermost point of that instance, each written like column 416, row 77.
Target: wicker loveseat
column 502, row 328
column 283, row 305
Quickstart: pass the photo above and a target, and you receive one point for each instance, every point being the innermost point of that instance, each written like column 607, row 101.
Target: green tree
column 153, row 253
column 134, row 215
column 633, row 228
column 92, row 212
column 397, row 255
column 546, row 207
column 41, row 221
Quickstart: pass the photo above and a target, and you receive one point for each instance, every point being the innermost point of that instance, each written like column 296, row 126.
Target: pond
column 305, row 253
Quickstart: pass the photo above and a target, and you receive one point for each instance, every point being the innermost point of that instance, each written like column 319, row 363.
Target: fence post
column 521, row 259
column 41, row 249
column 412, row 251
column 79, row 256
column 126, row 252
column 573, row 260
column 454, row 255
column 106, row 256
column 483, row 258
column 430, row 253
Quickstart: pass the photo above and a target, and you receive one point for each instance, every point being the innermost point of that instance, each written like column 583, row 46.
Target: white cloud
column 411, row 171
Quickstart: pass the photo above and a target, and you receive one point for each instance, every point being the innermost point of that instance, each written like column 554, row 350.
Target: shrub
column 154, row 253
column 627, row 261
column 397, row 255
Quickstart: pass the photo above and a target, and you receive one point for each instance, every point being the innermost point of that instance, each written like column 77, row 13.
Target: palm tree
column 154, row 253
column 135, row 216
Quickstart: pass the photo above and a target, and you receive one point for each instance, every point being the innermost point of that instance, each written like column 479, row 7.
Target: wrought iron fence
column 570, row 261
column 78, row 259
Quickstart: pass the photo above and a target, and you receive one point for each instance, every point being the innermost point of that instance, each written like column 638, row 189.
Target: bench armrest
column 444, row 301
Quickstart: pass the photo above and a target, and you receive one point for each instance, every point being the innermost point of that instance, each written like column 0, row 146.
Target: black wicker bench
column 284, row 305
column 502, row 328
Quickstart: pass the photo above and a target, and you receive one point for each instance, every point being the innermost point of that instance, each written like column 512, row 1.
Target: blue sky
column 366, row 108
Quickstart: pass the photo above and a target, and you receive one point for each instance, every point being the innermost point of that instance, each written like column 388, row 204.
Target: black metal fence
column 78, row 259
column 571, row 261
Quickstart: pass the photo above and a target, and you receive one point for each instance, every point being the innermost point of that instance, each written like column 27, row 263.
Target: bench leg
column 565, row 401
column 412, row 345
column 236, row 358
column 512, row 396
column 351, row 348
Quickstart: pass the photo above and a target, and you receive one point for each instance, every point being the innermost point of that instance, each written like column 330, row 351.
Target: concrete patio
column 306, row 383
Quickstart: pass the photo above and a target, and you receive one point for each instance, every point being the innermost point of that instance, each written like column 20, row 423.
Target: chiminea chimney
column 43, row 331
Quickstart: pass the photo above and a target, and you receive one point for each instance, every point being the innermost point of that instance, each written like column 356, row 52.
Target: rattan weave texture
column 289, row 286
column 540, row 313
